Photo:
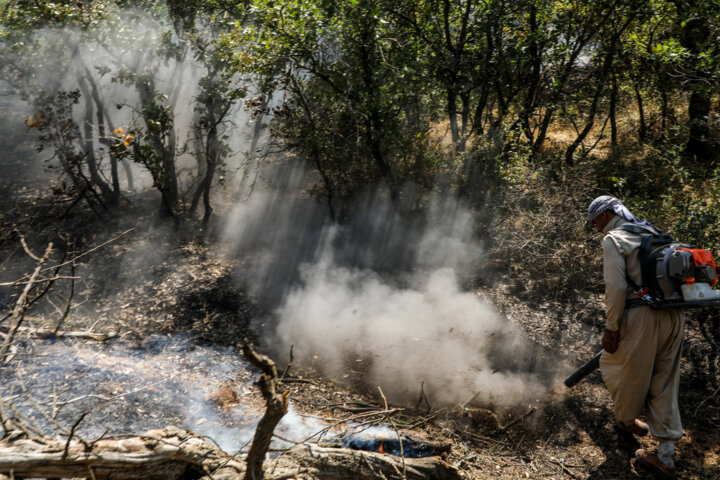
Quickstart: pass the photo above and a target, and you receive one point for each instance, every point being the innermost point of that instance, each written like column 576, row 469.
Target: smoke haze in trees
column 381, row 293
column 107, row 56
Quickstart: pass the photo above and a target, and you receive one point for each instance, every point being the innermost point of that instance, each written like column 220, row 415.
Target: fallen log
column 166, row 454
column 172, row 454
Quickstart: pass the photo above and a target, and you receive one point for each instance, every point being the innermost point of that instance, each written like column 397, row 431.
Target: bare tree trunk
column 89, row 144
column 613, row 113
column 314, row 151
column 607, row 64
column 664, row 110
column 478, row 123
column 114, row 196
column 258, row 127
column 699, row 141
column 696, row 34
column 642, row 132
column 534, row 78
column 163, row 144
column 452, row 115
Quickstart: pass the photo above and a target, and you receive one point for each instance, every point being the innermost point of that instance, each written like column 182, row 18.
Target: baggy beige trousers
column 645, row 369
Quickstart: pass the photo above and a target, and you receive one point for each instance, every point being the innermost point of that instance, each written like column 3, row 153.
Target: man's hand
column 610, row 340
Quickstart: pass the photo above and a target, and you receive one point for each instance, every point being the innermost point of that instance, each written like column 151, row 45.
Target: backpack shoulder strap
column 642, row 230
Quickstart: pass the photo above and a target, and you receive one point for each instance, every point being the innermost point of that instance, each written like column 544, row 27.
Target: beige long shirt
column 620, row 257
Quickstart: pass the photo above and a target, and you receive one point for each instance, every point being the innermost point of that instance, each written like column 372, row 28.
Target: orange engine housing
column 703, row 257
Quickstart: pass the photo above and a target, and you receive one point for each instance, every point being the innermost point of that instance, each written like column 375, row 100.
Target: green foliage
column 697, row 211
column 388, row 91
column 699, row 221
column 356, row 104
column 158, row 117
column 30, row 15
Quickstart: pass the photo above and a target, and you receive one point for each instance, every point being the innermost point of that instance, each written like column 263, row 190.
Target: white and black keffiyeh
column 608, row 202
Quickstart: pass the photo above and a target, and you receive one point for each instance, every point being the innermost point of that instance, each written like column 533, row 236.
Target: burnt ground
column 149, row 281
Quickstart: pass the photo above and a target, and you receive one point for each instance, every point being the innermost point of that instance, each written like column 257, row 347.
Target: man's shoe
column 652, row 462
column 638, row 427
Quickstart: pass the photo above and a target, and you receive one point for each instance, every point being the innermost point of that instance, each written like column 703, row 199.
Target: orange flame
column 381, row 449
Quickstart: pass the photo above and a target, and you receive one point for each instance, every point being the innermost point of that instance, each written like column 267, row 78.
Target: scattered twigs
column 717, row 390
column 519, row 419
column 4, row 420
column 69, row 302
column 97, row 247
column 19, row 311
column 392, row 423
column 24, row 423
column 114, row 397
column 296, row 380
column 565, row 469
column 35, row 403
column 290, row 362
column 423, row 397
column 72, row 433
column 51, row 281
column 489, row 441
column 51, row 419
column 48, row 280
column 426, row 419
column 229, row 459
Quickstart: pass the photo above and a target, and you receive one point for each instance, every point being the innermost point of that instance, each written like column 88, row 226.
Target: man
column 641, row 360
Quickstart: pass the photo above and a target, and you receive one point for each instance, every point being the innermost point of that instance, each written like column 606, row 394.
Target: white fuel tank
column 696, row 292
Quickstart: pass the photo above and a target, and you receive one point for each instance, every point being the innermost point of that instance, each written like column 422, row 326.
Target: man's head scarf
column 608, row 202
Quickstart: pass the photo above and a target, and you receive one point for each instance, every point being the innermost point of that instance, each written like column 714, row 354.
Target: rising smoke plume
column 381, row 294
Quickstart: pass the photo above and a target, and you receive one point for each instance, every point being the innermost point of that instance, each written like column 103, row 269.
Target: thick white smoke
column 430, row 333
column 381, row 294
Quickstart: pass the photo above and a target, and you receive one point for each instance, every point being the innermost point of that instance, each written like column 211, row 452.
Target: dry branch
column 97, row 247
column 26, row 248
column 277, row 405
column 21, row 305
